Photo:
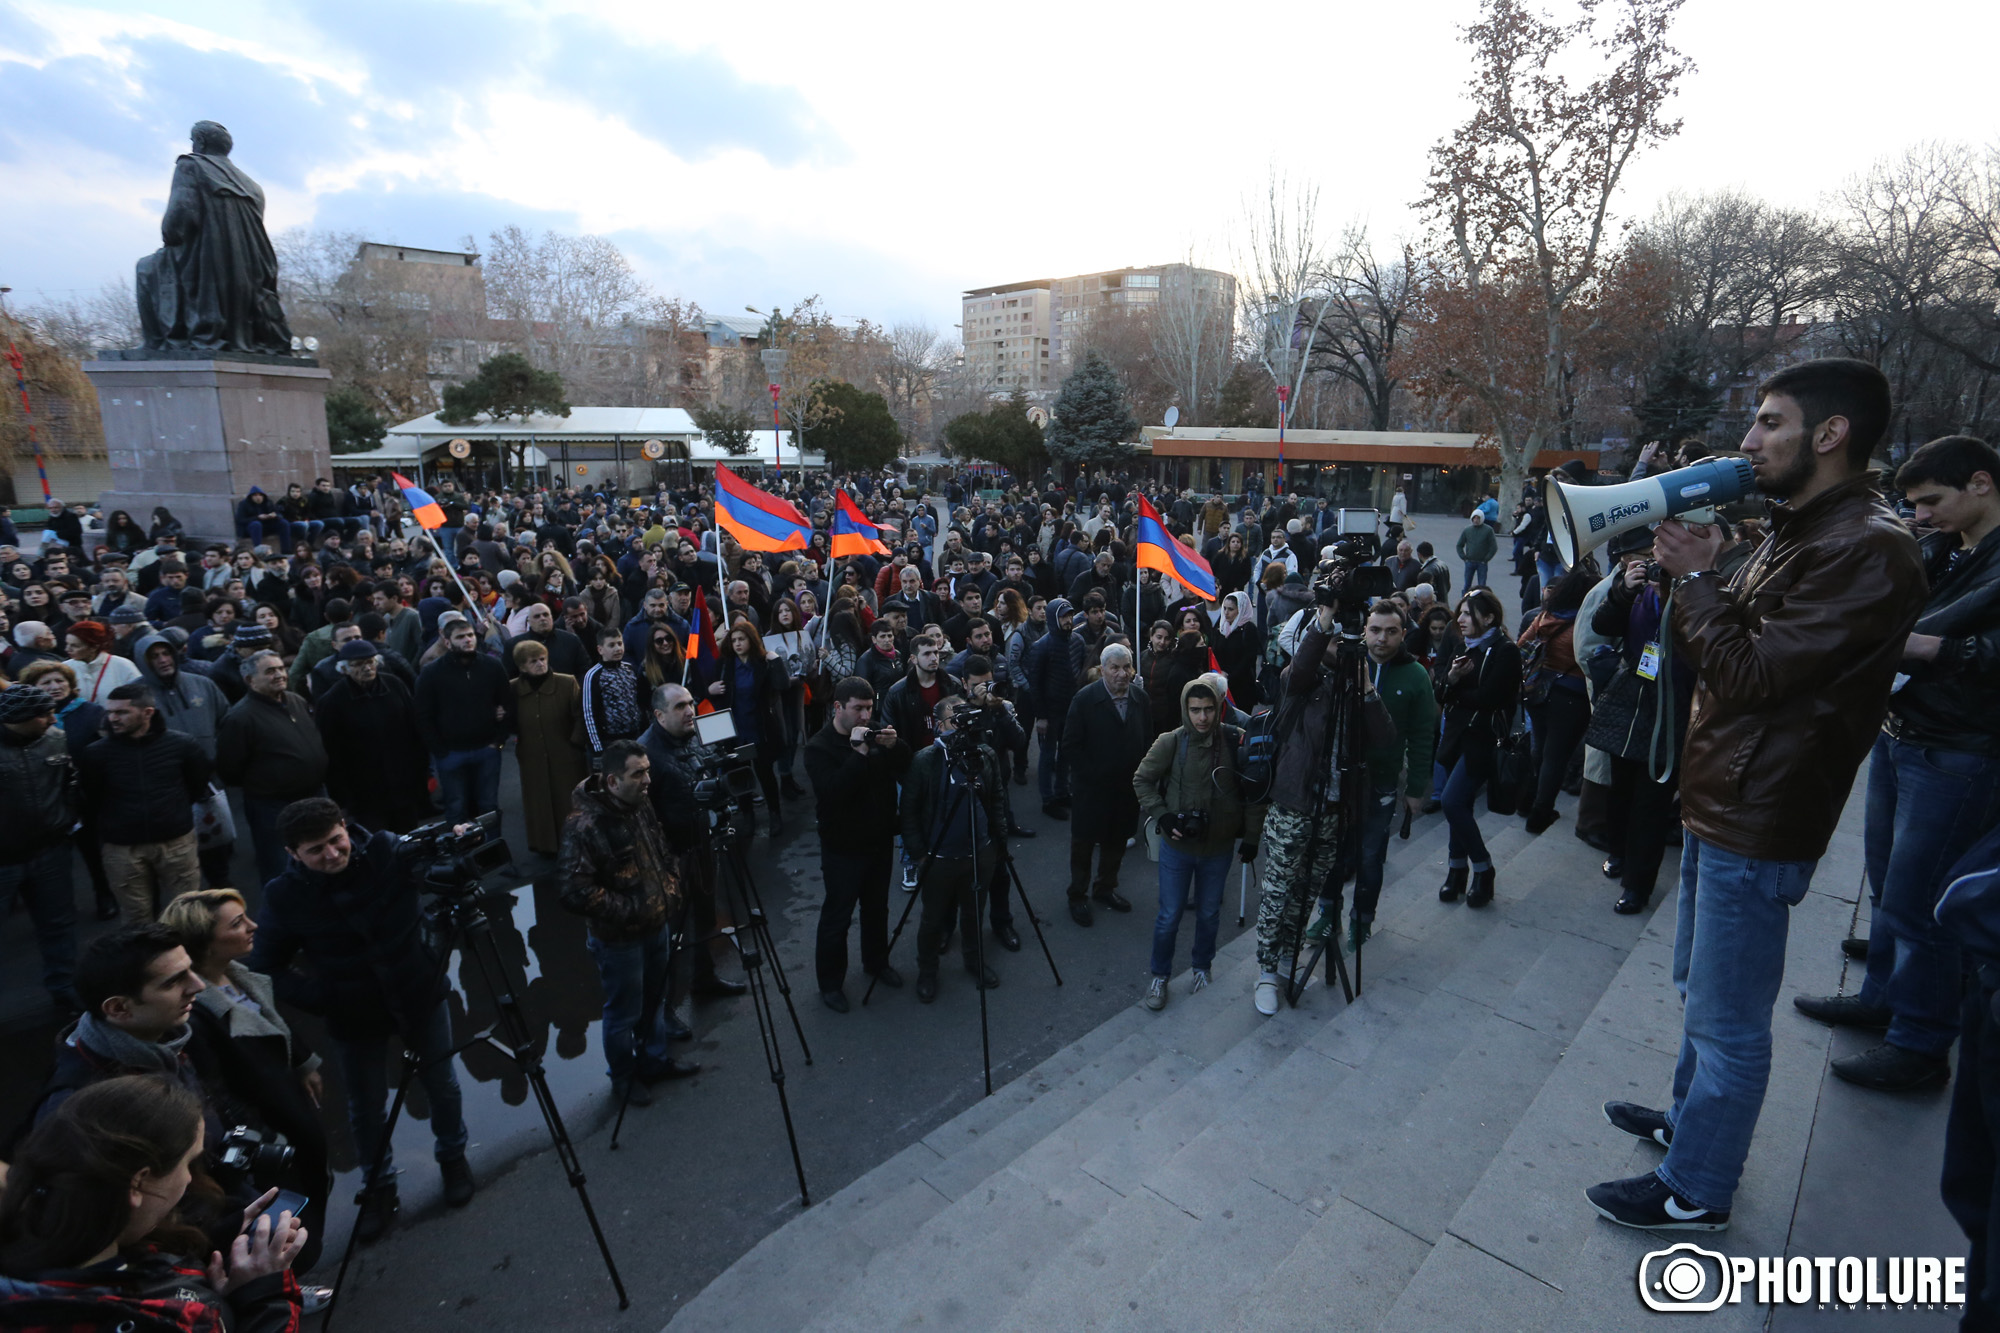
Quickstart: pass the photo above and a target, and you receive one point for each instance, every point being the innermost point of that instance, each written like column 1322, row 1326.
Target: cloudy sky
column 883, row 155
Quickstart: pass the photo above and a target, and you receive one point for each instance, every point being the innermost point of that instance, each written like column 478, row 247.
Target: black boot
column 379, row 1207
column 1454, row 885
column 1481, row 892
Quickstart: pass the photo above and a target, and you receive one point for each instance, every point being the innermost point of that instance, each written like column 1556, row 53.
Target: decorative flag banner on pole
column 854, row 533
column 1159, row 549
column 758, row 520
column 430, row 517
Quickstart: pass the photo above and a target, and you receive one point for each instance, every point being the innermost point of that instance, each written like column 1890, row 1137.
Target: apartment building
column 1028, row 334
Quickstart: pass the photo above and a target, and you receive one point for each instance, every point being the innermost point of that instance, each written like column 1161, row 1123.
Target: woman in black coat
column 122, row 534
column 1232, row 564
column 1238, row 646
column 751, row 688
column 1482, row 686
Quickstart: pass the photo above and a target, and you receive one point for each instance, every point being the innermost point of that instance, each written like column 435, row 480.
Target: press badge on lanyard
column 1649, row 662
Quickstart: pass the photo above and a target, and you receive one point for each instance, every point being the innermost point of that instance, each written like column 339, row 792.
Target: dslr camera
column 246, row 1158
column 1187, row 823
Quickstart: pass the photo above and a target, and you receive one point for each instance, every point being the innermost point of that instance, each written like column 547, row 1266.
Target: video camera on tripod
column 1346, row 581
column 453, row 861
column 727, row 779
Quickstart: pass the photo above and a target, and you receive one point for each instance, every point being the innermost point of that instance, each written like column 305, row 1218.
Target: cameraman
column 943, row 821
column 619, row 872
column 680, row 761
column 1006, row 736
column 854, row 769
column 1303, row 826
column 351, row 908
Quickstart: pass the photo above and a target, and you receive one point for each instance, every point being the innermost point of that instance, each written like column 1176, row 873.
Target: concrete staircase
column 1410, row 1161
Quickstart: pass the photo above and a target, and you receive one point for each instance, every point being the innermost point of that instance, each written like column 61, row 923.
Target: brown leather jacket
column 1795, row 657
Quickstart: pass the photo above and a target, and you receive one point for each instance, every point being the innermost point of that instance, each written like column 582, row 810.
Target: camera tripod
column 1347, row 804
column 745, row 907
column 969, row 767
column 459, row 924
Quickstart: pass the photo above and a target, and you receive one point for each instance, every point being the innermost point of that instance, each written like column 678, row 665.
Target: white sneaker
column 1156, row 994
column 1200, row 981
column 909, row 877
column 1267, row 996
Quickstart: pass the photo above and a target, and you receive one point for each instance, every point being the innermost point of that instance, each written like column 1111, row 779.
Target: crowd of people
column 351, row 677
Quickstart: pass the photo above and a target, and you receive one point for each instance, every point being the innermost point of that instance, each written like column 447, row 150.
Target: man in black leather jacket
column 1934, row 777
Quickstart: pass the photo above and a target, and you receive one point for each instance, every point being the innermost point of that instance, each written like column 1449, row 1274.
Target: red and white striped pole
column 1284, row 401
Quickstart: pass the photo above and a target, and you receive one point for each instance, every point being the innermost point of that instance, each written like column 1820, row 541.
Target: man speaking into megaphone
column 1794, row 659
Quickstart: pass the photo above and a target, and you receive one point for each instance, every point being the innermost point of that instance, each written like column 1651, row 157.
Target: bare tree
column 1283, row 299
column 573, row 304
column 1520, row 202
column 82, row 326
column 914, row 356
column 1365, row 305
column 1191, row 331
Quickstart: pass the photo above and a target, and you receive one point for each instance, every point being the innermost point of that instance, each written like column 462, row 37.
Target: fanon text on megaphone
column 1582, row 518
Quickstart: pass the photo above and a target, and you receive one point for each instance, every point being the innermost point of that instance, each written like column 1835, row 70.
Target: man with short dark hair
column 353, row 912
column 854, row 768
column 1934, row 779
column 35, row 851
column 462, row 702
column 612, row 691
column 1795, row 658
column 959, row 833
column 137, row 988
column 142, row 781
column 269, row 745
column 620, row 874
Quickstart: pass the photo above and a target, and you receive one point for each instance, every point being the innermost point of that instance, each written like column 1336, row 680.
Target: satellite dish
column 1173, row 417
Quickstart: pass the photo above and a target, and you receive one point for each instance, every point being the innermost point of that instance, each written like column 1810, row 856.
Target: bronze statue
column 213, row 287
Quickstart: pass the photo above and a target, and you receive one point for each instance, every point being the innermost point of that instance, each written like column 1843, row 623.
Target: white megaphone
column 1582, row 518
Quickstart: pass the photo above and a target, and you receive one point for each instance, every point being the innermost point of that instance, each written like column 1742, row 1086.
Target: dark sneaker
column 1646, row 1202
column 713, row 987
column 1358, row 932
column 1855, row 947
column 926, row 987
column 1892, row 1068
column 1641, row 1122
column 1842, row 1011
column 1079, row 911
column 662, row 1071
column 834, row 1000
column 457, row 1182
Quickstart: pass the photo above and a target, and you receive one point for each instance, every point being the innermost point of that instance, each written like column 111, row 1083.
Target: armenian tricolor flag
column 701, row 651
column 854, row 533
column 758, row 520
column 1159, row 550
column 428, row 513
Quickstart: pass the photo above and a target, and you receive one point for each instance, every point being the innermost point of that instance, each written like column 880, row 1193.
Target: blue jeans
column 1729, row 958
column 261, row 813
column 1379, row 816
column 364, row 1063
column 634, row 978
column 1926, row 807
column 1475, row 576
column 469, row 782
column 1461, row 789
column 1210, row 876
column 1053, row 774
column 447, row 542
column 1549, row 570
column 43, row 880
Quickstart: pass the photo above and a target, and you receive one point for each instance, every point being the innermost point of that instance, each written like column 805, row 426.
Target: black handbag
column 1512, row 786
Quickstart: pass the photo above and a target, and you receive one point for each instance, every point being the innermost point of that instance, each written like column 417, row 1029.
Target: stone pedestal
column 195, row 436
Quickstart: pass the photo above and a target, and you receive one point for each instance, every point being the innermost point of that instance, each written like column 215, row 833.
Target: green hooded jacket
column 1172, row 779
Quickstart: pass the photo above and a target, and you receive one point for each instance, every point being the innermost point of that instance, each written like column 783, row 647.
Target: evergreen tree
column 506, row 386
column 856, row 431
column 352, row 424
column 1092, row 424
column 1247, row 400
column 1001, row 434
column 1679, row 400
column 728, row 428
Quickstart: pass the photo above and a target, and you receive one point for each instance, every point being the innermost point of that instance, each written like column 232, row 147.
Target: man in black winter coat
column 854, row 767
column 36, row 792
column 141, row 781
column 1107, row 731
column 1054, row 670
column 567, row 655
column 376, row 764
column 462, row 715
column 351, row 910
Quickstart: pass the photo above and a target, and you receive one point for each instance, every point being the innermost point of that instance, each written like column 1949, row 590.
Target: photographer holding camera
column 854, row 768
column 1303, row 827
column 619, row 872
column 680, row 764
column 942, row 820
column 349, row 905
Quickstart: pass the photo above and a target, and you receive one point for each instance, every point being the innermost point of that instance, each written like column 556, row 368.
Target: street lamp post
column 774, row 359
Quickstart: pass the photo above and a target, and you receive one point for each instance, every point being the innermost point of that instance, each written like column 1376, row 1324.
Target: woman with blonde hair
column 545, row 713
